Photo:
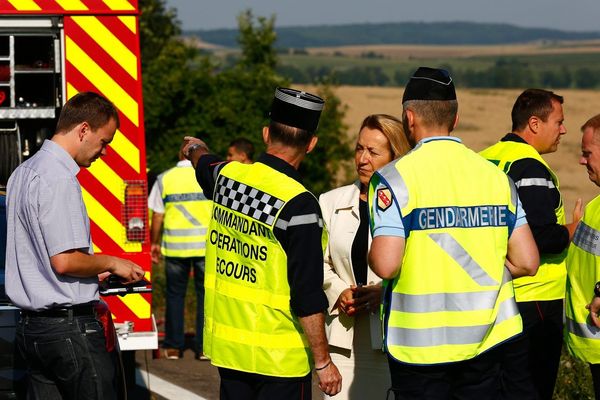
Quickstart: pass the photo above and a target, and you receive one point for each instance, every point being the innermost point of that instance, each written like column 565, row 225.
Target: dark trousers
column 177, row 273
column 595, row 370
column 535, row 355
column 66, row 358
column 237, row 385
column 475, row 379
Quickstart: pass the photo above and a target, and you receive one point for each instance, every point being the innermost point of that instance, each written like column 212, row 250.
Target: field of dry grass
column 485, row 118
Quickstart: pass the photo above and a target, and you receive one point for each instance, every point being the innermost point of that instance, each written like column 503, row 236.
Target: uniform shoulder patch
column 384, row 199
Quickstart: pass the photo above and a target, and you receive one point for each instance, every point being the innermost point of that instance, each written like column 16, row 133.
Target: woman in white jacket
column 353, row 290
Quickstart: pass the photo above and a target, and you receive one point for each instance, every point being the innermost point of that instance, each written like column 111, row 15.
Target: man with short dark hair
column 240, row 149
column 51, row 271
column 582, row 335
column 264, row 303
column 537, row 126
column 444, row 221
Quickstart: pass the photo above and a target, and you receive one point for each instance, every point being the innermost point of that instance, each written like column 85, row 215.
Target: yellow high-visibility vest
column 453, row 298
column 550, row 280
column 583, row 271
column 249, row 325
column 187, row 214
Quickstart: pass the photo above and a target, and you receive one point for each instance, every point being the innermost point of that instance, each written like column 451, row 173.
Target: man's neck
column 288, row 154
column 527, row 136
column 423, row 133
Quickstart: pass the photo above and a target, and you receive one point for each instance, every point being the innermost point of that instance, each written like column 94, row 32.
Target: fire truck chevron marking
column 127, row 150
column 110, row 43
column 119, row 5
column 72, row 5
column 112, row 181
column 103, row 81
column 129, row 22
column 69, row 6
column 25, row 5
column 136, row 303
column 106, row 221
column 120, row 30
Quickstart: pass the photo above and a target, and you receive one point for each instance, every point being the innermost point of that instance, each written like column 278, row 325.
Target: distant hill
column 434, row 33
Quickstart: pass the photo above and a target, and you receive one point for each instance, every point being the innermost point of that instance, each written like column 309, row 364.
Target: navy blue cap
column 429, row 84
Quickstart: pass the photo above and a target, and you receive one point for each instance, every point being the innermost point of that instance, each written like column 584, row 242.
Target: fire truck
column 51, row 50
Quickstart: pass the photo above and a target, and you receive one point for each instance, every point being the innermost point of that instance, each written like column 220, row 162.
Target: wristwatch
column 191, row 149
column 597, row 289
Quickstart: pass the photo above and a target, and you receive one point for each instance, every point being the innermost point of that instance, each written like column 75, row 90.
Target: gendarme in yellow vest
column 453, row 298
column 249, row 325
column 187, row 214
column 550, row 280
column 583, row 271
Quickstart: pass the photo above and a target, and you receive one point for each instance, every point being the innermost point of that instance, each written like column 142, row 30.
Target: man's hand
column 577, row 214
column 367, row 298
column 193, row 148
column 357, row 299
column 594, row 308
column 128, row 271
column 155, row 253
column 345, row 301
column 330, row 379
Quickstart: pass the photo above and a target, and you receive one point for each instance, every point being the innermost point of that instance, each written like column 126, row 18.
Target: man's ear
column 410, row 118
column 311, row 145
column 455, row 122
column 82, row 130
column 265, row 134
column 534, row 123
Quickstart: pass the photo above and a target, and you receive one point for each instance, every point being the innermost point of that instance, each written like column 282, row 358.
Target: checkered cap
column 247, row 200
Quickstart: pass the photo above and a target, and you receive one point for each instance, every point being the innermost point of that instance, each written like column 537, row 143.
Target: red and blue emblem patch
column 384, row 199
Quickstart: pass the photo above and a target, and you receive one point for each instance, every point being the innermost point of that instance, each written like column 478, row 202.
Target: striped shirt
column 46, row 216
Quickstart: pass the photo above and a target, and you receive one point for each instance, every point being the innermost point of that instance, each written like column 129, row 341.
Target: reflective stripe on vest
column 549, row 282
column 453, row 298
column 187, row 214
column 249, row 325
column 582, row 337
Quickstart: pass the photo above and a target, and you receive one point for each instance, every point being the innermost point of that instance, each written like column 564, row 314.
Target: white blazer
column 342, row 218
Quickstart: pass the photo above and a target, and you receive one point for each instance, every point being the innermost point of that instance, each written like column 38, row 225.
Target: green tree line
column 189, row 93
column 504, row 73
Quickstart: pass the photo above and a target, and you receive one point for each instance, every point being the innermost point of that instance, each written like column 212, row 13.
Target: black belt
column 62, row 312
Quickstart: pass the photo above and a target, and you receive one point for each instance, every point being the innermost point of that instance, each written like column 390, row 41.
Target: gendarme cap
column 295, row 108
column 429, row 84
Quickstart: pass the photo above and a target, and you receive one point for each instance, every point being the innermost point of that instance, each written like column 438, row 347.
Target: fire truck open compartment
column 30, row 87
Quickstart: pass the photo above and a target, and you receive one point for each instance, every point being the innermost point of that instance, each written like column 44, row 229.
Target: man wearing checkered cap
column 264, row 304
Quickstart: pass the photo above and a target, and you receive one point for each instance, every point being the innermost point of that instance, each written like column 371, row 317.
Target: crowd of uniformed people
column 439, row 273
column 457, row 260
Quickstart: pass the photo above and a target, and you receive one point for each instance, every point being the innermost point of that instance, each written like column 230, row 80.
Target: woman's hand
column 360, row 299
column 345, row 301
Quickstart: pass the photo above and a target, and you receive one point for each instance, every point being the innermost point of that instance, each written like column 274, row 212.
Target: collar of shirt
column 280, row 165
column 184, row 163
column 432, row 138
column 513, row 137
column 61, row 154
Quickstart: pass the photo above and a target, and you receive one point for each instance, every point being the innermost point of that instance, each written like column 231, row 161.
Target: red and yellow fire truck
column 49, row 51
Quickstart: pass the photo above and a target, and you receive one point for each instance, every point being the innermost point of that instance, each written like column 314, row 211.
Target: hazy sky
column 575, row 15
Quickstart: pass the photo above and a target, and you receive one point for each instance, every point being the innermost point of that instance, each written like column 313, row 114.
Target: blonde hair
column 391, row 127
